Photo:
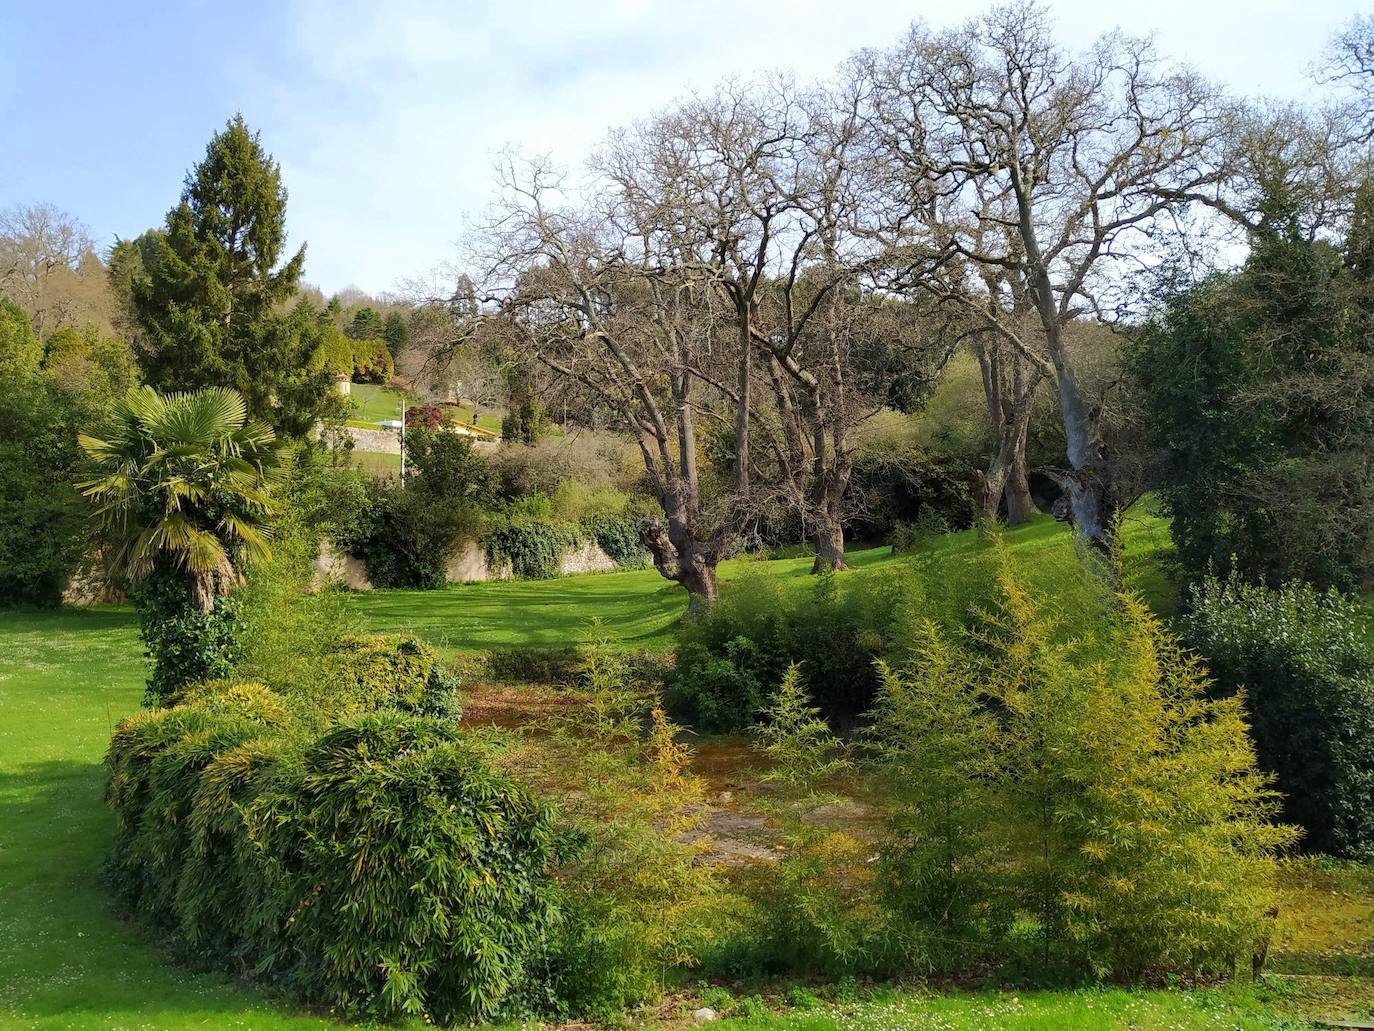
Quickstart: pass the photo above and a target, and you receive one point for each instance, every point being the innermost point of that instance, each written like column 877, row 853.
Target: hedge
column 365, row 859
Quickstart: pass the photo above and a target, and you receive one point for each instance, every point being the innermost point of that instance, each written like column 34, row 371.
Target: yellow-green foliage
column 641, row 898
column 814, row 907
column 1064, row 768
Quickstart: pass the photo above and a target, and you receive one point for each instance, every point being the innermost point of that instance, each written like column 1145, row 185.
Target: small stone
column 705, row 1015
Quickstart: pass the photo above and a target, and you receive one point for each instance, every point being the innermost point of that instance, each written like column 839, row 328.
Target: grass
column 639, row 607
column 65, row 961
column 1025, row 1011
column 378, row 463
column 374, row 403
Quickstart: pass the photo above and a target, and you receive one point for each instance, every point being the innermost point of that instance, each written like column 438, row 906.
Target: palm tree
column 185, row 484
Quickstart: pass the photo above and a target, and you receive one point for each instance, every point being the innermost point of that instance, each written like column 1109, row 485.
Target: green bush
column 721, row 693
column 41, row 514
column 380, row 867
column 409, row 878
column 186, row 645
column 408, row 536
column 815, row 908
column 618, row 537
column 387, row 670
column 833, row 627
column 407, row 532
column 1301, row 658
column 640, row 899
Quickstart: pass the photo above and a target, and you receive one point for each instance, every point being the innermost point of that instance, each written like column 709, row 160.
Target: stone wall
column 590, row 558
column 384, row 442
column 467, row 564
column 331, row 564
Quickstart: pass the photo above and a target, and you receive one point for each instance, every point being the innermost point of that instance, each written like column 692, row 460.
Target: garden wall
column 468, row 564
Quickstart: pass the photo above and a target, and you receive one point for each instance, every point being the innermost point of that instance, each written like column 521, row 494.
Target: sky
column 387, row 116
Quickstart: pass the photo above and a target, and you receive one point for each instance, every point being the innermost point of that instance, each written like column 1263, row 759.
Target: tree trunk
column 1087, row 483
column 680, row 557
column 1020, row 505
column 700, row 581
column 829, row 545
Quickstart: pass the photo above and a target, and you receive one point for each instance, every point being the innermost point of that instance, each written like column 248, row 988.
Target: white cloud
column 386, row 118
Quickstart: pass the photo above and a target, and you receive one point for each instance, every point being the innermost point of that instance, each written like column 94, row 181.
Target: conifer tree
column 207, row 298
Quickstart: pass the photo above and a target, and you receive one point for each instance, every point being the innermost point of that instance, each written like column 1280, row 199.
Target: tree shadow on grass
column 66, row 960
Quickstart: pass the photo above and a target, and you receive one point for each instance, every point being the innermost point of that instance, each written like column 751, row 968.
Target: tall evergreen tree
column 209, row 294
column 396, row 333
column 1260, row 387
column 366, row 325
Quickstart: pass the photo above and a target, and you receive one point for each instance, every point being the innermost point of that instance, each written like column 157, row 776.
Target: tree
column 526, row 418
column 20, row 348
column 49, row 268
column 1044, row 165
column 1350, row 62
column 366, row 324
column 600, row 299
column 396, row 333
column 42, row 520
column 208, row 293
column 1260, row 389
column 182, row 503
column 94, row 366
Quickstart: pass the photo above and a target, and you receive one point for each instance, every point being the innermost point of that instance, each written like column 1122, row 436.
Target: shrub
column 1307, row 676
column 1114, row 809
column 41, row 513
column 618, row 537
column 409, row 877
column 721, row 693
column 185, row 643
column 815, row 907
column 387, row 670
column 834, row 627
column 380, row 867
column 640, row 898
column 408, row 537
column 534, row 550
column 407, row 531
column 533, row 665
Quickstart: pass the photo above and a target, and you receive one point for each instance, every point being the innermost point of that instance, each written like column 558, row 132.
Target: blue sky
column 386, row 116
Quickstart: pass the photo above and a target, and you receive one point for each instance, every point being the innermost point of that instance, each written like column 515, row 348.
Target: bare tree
column 1350, row 63
column 613, row 299
column 1089, row 152
column 48, row 266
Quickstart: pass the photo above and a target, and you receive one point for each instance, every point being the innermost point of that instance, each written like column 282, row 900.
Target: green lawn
column 638, row 606
column 373, row 403
column 1026, row 1011
column 378, row 463
column 65, row 961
